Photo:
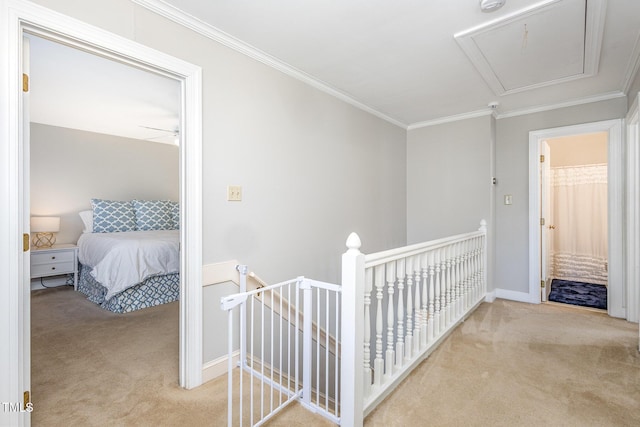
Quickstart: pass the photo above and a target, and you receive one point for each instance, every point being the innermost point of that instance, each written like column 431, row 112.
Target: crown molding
column 632, row 67
column 176, row 15
column 515, row 113
column 571, row 103
column 594, row 31
column 449, row 119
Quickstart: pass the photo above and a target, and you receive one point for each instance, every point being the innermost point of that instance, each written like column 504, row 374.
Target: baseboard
column 490, row 296
column 512, row 295
column 218, row 367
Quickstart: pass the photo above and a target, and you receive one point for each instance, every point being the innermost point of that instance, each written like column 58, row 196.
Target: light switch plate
column 508, row 199
column 234, row 193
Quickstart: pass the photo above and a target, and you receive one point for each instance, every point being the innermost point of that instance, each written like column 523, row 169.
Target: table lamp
column 42, row 229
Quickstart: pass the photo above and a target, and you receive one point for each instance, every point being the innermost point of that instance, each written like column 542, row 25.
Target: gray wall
column 70, row 167
column 313, row 168
column 449, row 170
column 512, row 171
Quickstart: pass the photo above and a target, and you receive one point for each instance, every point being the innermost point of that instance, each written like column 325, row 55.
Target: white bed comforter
column 121, row 260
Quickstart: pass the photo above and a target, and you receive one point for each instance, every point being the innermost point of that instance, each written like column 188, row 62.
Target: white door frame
column 16, row 16
column 616, row 201
column 633, row 210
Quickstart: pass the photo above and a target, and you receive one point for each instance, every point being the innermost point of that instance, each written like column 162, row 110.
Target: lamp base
column 43, row 240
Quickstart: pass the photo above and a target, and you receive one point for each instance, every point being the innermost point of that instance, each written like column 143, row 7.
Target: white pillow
column 87, row 220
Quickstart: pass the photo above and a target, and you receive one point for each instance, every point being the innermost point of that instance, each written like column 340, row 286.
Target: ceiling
column 74, row 89
column 410, row 62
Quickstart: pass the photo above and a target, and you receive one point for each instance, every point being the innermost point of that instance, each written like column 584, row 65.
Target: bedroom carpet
column 509, row 364
column 578, row 293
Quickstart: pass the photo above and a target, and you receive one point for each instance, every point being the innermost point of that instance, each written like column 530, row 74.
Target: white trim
column 616, row 211
column 490, row 296
column 218, row 367
column 520, row 112
column 513, row 295
column 191, row 232
column 571, row 103
column 449, row 119
column 616, row 287
column 18, row 15
column 594, row 30
column 633, row 212
column 632, row 67
column 176, row 15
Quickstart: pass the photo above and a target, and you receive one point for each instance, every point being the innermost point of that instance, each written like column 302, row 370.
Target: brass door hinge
column 26, row 399
column 541, row 221
column 542, row 158
column 25, row 83
column 542, row 283
column 25, row 242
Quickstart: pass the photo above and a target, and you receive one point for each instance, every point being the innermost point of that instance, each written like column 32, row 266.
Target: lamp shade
column 45, row 224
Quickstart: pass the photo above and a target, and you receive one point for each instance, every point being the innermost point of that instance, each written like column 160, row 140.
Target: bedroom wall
column 70, row 167
column 512, row 171
column 312, row 168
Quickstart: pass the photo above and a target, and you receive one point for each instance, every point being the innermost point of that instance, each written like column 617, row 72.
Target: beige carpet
column 510, row 364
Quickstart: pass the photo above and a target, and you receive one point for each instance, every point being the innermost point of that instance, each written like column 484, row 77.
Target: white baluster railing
column 357, row 340
column 413, row 298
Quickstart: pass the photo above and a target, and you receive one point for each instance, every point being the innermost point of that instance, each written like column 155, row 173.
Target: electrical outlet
column 234, row 193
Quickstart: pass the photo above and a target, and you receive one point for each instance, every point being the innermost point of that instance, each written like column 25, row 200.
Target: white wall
column 512, row 171
column 70, row 167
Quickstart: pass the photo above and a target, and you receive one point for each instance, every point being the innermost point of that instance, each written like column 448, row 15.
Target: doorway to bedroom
column 102, row 133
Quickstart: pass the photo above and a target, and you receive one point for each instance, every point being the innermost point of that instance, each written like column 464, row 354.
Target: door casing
column 616, row 208
column 17, row 17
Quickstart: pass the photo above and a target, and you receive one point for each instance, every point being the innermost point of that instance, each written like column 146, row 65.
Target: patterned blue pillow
column 175, row 214
column 153, row 214
column 110, row 216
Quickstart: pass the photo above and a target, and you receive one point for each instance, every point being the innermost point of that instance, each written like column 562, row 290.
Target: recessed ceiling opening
column 547, row 43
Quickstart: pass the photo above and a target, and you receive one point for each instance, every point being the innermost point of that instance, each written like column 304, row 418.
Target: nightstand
column 54, row 261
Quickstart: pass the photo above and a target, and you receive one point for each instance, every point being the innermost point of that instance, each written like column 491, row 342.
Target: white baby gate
column 283, row 355
column 393, row 309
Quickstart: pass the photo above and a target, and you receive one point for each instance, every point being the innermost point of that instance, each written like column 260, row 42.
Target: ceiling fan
column 175, row 133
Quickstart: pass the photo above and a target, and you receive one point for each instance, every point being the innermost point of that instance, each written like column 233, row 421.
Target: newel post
column 351, row 389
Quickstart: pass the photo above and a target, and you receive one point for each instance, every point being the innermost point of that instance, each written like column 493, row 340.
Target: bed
column 128, row 258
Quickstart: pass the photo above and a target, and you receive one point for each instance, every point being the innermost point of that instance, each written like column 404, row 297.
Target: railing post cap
column 483, row 225
column 353, row 242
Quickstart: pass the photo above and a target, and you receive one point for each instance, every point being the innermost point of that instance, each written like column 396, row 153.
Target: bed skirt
column 153, row 291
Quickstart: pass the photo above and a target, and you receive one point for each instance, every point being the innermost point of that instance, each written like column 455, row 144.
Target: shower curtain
column 580, row 218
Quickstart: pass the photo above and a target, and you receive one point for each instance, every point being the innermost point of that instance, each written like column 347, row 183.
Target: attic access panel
column 551, row 42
